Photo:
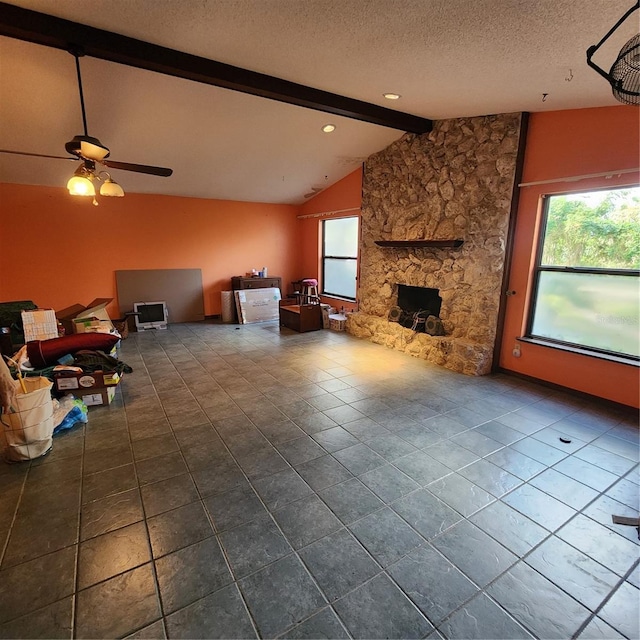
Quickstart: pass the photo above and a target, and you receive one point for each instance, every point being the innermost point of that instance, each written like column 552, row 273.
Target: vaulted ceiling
column 446, row 58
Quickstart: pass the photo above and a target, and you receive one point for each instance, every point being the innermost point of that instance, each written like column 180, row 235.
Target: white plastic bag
column 28, row 429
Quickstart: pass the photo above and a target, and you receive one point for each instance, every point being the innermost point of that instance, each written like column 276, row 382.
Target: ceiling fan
column 91, row 152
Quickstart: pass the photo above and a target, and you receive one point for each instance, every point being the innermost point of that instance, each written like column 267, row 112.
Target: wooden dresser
column 239, row 282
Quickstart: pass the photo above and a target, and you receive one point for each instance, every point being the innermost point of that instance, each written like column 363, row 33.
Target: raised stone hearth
column 456, row 354
column 456, row 182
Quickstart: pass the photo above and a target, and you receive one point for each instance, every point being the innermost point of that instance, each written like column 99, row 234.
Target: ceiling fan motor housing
column 87, row 147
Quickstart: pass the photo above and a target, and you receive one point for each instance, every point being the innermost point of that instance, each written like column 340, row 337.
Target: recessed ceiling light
column 392, row 96
column 328, row 128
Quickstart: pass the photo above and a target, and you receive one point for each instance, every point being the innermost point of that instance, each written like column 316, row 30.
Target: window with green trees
column 586, row 290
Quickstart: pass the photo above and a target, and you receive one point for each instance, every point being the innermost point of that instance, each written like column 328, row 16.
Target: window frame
column 324, row 257
column 538, row 268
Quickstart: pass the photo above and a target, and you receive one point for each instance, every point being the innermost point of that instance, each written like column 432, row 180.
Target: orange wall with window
column 345, row 196
column 563, row 144
column 59, row 250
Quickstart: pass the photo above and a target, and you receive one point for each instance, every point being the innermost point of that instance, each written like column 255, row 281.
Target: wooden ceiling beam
column 50, row 31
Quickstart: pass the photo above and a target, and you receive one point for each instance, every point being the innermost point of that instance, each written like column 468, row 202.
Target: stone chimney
column 455, row 183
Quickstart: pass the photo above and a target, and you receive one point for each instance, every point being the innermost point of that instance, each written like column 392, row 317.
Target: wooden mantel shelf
column 419, row 243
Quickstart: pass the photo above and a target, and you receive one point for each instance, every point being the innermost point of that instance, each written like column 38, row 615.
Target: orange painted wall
column 59, row 250
column 563, row 144
column 346, row 194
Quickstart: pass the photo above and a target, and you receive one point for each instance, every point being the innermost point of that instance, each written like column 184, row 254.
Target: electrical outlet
column 516, row 350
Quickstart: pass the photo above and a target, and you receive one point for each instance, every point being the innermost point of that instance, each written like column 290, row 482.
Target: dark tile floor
column 257, row 483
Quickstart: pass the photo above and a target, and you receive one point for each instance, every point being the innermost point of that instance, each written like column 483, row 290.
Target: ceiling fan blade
column 36, row 155
column 138, row 168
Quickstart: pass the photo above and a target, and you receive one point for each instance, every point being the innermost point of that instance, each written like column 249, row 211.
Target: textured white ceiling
column 447, row 58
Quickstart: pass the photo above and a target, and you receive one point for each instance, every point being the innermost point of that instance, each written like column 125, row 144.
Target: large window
column 586, row 292
column 340, row 257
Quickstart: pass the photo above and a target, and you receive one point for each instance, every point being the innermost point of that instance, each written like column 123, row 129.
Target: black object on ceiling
column 43, row 29
column 624, row 76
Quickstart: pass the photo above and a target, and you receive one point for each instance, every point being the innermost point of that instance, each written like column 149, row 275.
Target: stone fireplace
column 422, row 195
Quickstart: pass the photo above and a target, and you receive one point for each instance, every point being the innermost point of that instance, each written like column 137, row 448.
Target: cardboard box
column 92, row 326
column 337, row 322
column 39, row 324
column 71, row 381
column 257, row 305
column 94, row 318
column 97, row 396
column 67, row 315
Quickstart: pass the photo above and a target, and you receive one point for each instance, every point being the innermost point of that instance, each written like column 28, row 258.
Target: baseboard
column 574, row 392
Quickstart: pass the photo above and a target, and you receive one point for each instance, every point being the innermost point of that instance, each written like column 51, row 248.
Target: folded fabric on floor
column 85, row 360
column 43, row 353
column 99, row 361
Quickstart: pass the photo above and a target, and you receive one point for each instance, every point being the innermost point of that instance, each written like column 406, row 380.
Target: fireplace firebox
column 418, row 309
column 419, row 299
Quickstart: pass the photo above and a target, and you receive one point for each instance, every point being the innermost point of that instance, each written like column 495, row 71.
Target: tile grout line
column 74, row 609
column 14, row 517
column 606, row 599
column 144, row 514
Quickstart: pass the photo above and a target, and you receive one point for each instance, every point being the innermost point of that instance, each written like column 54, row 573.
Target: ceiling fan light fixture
column 110, row 188
column 81, row 186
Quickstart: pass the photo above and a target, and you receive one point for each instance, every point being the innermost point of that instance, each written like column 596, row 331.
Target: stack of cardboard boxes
column 99, row 387
column 81, row 319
